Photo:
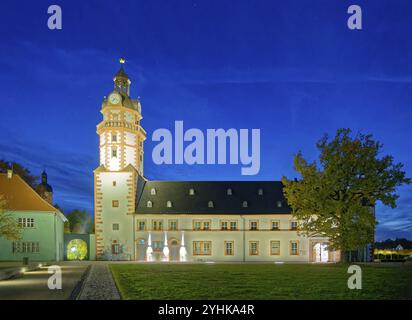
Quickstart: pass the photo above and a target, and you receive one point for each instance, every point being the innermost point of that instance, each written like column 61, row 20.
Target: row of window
column 205, row 225
column 169, row 204
column 25, row 222
column 25, row 247
column 192, row 192
column 205, row 248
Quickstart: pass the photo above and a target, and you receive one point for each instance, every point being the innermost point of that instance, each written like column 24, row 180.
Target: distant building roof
column 211, row 197
column 20, row 196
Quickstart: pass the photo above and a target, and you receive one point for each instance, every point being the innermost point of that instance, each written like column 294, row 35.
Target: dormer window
column 229, row 192
column 153, row 191
column 169, row 204
column 279, row 204
column 149, row 204
column 260, row 192
column 244, row 204
column 191, row 191
column 210, row 204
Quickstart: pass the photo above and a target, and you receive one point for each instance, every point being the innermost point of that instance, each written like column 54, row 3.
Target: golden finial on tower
column 122, row 60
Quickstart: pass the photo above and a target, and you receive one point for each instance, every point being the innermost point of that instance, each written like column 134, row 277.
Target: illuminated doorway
column 76, row 250
column 321, row 253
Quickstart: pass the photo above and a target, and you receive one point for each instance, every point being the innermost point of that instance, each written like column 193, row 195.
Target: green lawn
column 259, row 281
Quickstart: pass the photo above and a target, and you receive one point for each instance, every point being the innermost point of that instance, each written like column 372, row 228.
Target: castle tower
column 121, row 140
column 44, row 189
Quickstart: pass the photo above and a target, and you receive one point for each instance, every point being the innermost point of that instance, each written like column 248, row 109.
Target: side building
column 42, row 225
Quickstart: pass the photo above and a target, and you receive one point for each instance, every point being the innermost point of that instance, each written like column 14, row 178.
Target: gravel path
column 99, row 284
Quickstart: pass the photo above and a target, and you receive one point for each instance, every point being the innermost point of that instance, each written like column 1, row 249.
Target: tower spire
column 121, row 79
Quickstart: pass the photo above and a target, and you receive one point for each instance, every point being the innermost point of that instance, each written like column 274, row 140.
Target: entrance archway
column 174, row 250
column 320, row 252
column 76, row 250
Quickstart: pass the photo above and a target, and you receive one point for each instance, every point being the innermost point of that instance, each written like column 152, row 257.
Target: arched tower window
column 210, row 204
column 149, row 204
column 153, row 191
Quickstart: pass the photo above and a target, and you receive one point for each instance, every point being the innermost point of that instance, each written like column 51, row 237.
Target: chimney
column 9, row 173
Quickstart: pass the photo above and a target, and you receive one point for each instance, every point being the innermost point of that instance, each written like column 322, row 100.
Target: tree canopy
column 80, row 221
column 335, row 197
column 9, row 227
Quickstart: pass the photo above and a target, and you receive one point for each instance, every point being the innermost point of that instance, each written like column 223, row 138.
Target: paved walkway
column 99, row 284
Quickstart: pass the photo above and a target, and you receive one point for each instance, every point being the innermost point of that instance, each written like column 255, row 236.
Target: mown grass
column 259, row 281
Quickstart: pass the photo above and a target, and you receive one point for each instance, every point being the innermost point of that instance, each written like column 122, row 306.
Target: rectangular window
column 197, row 225
column 115, row 227
column 294, row 248
column 25, row 247
column 141, row 225
column 172, row 224
column 25, row 222
column 202, row 248
column 275, row 224
column 115, row 203
column 253, row 225
column 229, row 248
column 114, row 138
column 275, row 248
column 253, row 248
column 201, row 225
column 157, row 246
column 233, row 225
column 293, row 225
column 114, row 183
column 224, row 225
column 115, row 248
column 114, row 153
column 157, row 225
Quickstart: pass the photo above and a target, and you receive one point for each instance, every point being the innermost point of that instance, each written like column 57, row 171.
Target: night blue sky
column 290, row 68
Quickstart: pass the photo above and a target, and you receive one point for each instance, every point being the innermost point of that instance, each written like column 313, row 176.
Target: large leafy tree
column 9, row 228
column 80, row 221
column 336, row 198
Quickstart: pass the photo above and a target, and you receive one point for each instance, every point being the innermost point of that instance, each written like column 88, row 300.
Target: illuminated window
column 201, row 225
column 153, row 191
column 244, row 204
column 293, row 225
column 149, row 204
column 275, row 248
column 169, row 204
column 229, row 248
column 141, row 225
column 224, row 225
column 253, row 225
column 172, row 224
column 157, row 225
column 26, row 222
column 191, row 191
column 157, row 246
column 253, row 248
column 115, row 227
column 233, row 225
column 279, row 204
column 229, row 192
column 260, row 192
column 275, row 224
column 115, row 203
column 294, row 248
column 202, row 248
column 210, row 204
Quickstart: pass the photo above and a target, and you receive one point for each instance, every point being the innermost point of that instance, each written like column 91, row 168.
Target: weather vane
column 122, row 60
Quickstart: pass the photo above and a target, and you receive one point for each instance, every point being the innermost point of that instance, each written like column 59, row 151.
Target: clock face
column 114, row 98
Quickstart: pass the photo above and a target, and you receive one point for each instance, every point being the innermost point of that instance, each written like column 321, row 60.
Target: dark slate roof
column 183, row 203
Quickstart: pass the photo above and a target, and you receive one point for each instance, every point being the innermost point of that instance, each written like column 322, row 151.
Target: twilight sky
column 290, row 68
